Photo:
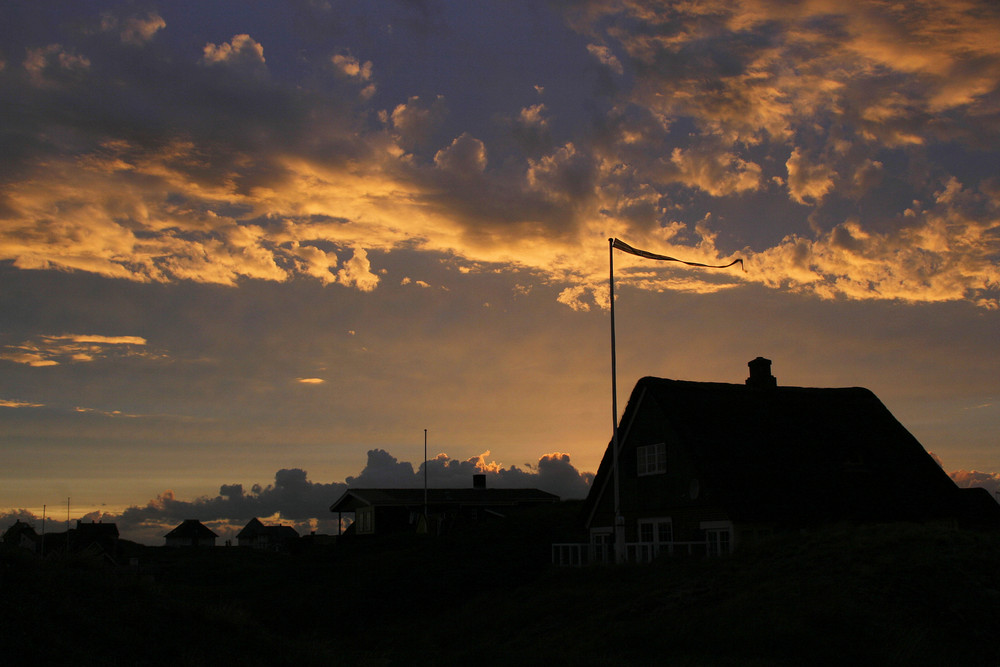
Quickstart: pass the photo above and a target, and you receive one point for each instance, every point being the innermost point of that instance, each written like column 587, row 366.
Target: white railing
column 578, row 554
column 574, row 554
column 646, row 552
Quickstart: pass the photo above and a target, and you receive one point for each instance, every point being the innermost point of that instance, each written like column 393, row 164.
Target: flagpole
column 619, row 520
column 614, row 243
column 426, row 527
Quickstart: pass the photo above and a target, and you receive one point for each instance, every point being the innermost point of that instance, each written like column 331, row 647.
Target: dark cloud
column 553, row 473
column 416, row 120
column 291, row 495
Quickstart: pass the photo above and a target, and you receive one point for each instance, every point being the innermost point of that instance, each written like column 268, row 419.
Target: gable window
column 651, row 459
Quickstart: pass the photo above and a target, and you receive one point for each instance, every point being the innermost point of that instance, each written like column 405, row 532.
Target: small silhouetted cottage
column 704, row 466
column 191, row 533
column 96, row 534
column 96, row 540
column 383, row 511
column 21, row 535
column 268, row 538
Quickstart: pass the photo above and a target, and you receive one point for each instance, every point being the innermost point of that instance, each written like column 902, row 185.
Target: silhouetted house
column 21, row 535
column 95, row 541
column 268, row 538
column 98, row 541
column 704, row 466
column 383, row 511
column 50, row 543
column 191, row 533
column 100, row 534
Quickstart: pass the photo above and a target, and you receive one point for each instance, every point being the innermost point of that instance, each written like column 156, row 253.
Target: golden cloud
column 352, row 67
column 944, row 255
column 73, row 348
column 949, row 52
column 717, row 173
column 240, row 50
column 181, row 209
column 98, row 216
column 808, row 181
column 134, row 30
column 6, row 403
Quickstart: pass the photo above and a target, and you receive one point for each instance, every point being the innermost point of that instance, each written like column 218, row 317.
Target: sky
column 250, row 251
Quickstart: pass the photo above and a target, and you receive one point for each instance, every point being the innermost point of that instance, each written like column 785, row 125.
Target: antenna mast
column 426, row 527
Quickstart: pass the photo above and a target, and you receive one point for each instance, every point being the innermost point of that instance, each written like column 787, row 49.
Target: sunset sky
column 249, row 250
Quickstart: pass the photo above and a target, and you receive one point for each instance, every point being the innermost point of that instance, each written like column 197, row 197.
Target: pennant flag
column 621, row 245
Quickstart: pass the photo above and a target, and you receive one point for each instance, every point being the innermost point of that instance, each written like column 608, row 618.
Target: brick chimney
column 760, row 373
column 479, row 481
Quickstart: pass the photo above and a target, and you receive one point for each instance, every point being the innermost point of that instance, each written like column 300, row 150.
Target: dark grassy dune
column 895, row 595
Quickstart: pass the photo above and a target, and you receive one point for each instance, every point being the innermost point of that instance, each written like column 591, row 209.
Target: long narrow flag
column 621, row 245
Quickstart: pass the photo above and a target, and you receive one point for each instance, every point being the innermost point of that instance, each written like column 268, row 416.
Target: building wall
column 680, row 492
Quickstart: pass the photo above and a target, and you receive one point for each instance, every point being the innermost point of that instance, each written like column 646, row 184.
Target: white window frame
column 655, row 523
column 718, row 537
column 602, row 544
column 651, row 459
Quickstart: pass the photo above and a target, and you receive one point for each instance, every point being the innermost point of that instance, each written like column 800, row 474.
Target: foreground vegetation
column 846, row 595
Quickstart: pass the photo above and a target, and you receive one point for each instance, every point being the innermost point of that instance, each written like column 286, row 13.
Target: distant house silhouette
column 384, row 511
column 21, row 535
column 98, row 541
column 268, row 538
column 191, row 533
column 704, row 466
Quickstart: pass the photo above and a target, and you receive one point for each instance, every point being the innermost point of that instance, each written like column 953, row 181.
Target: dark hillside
column 871, row 595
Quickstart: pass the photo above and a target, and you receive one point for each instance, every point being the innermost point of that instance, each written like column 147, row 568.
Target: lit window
column 652, row 459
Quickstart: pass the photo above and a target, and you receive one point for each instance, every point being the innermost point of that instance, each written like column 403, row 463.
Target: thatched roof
column 793, row 454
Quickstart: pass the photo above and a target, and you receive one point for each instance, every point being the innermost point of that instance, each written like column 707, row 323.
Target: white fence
column 578, row 554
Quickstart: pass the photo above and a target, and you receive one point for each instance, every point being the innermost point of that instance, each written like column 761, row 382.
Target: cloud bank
column 233, row 159
column 292, row 499
column 972, row 478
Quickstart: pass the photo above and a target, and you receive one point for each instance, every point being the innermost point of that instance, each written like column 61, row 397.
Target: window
column 718, row 542
column 658, row 531
column 365, row 518
column 655, row 538
column 602, row 543
column 651, row 459
column 718, row 537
